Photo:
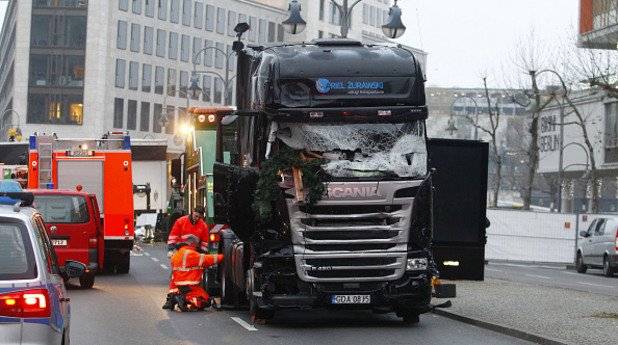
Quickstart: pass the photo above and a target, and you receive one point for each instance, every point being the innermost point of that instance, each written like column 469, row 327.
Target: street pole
column 225, row 79
column 2, row 124
column 476, row 114
column 561, row 158
column 345, row 15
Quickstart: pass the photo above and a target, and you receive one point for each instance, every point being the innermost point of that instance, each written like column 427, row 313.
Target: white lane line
column 164, row 267
column 572, row 273
column 596, row 285
column 537, row 276
column 155, row 259
column 493, row 270
column 147, row 254
column 132, row 253
column 242, row 322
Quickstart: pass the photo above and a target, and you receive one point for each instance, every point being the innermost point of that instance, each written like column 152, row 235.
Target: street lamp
column 295, row 24
column 562, row 169
column 163, row 120
column 195, row 89
column 2, row 125
column 476, row 114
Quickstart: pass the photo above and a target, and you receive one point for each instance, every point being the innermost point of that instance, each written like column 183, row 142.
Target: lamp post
column 163, row 120
column 393, row 28
column 562, row 169
column 240, row 28
column 561, row 151
column 2, row 124
column 476, row 114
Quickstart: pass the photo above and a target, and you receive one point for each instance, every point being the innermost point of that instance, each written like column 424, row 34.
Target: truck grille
column 353, row 240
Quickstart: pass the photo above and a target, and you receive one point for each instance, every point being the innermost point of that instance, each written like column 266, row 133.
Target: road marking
column 493, row 270
column 242, row 322
column 536, row 276
column 155, row 259
column 571, row 273
column 596, row 285
column 132, row 253
column 164, row 267
column 147, row 254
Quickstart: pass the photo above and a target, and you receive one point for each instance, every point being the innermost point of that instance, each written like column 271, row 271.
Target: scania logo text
column 353, row 192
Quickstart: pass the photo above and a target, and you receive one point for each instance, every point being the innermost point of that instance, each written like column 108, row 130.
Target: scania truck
column 322, row 178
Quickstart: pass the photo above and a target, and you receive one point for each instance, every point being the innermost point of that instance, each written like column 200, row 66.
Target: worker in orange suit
column 191, row 224
column 187, row 266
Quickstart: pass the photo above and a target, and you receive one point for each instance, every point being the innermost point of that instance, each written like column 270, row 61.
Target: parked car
column 73, row 224
column 599, row 246
column 34, row 307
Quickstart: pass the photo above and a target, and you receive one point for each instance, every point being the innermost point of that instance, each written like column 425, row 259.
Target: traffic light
column 205, row 122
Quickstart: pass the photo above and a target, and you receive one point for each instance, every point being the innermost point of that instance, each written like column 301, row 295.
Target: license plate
column 350, row 299
column 59, row 242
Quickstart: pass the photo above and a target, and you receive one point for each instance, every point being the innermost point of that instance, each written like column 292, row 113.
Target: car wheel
column 579, row 264
column 86, row 280
column 608, row 271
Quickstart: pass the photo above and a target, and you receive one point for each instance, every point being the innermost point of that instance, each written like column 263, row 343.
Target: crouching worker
column 187, row 267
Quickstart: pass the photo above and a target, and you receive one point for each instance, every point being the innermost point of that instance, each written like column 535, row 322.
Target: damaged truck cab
column 322, row 177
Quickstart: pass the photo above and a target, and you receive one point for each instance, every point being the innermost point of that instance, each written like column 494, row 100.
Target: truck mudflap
column 411, row 292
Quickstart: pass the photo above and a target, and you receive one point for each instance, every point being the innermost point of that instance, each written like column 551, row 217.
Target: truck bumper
column 411, row 292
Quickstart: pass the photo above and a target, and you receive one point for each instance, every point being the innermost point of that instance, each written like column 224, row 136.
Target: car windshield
column 62, row 208
column 16, row 256
column 362, row 150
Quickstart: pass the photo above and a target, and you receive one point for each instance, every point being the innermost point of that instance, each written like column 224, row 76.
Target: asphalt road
column 593, row 281
column 126, row 309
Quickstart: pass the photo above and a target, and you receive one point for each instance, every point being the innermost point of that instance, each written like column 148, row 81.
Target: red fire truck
column 96, row 166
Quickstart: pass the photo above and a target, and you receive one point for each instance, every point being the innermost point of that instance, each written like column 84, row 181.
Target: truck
column 95, row 166
column 322, row 177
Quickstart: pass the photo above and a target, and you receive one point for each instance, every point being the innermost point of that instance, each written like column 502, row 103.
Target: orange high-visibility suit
column 187, row 267
column 183, row 228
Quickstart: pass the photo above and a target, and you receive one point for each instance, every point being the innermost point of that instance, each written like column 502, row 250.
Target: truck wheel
column 579, row 264
column 259, row 313
column 86, row 280
column 608, row 271
column 124, row 263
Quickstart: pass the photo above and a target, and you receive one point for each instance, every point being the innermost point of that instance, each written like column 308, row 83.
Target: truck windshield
column 62, row 208
column 362, row 150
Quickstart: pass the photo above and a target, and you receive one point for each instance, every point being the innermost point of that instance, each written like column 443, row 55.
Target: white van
column 599, row 246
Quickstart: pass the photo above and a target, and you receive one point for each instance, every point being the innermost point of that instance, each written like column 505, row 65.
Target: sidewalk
column 540, row 314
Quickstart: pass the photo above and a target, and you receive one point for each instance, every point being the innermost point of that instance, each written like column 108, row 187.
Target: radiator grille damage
column 348, row 239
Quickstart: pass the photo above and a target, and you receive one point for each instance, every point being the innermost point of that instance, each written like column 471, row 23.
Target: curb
column 510, row 331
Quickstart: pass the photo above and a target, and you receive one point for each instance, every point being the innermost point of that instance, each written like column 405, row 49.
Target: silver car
column 34, row 307
column 599, row 246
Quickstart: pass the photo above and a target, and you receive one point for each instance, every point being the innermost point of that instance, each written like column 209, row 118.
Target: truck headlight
column 416, row 264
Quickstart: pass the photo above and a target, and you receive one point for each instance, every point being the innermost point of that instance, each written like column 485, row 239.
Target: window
column 118, row 112
column 271, row 32
column 611, row 132
column 231, row 57
column 253, row 31
column 207, row 88
column 148, row 35
column 171, row 117
column 218, row 90
column 197, row 50
column 175, row 11
column 219, row 58
column 184, row 82
column 186, row 12
column 121, row 38
column 210, row 17
column 365, row 14
column 162, row 5
column 55, row 108
column 280, row 31
column 220, row 20
column 372, row 16
column 150, row 8
column 161, row 43
column 173, row 48
column 144, row 117
column 184, row 48
column 208, row 53
column 18, row 260
column 321, row 9
column 121, row 66
column 171, row 82
column 146, row 77
column 133, row 75
column 159, row 77
column 242, row 18
column 123, row 5
column 198, row 15
column 156, row 126
column 137, row 6
column 334, row 14
column 262, row 33
column 231, row 23
column 132, row 115
column 135, row 33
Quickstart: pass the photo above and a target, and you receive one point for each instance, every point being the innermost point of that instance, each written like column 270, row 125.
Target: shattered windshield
column 362, row 150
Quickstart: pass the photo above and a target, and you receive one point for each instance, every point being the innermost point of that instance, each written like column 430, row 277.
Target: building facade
column 80, row 68
column 598, row 24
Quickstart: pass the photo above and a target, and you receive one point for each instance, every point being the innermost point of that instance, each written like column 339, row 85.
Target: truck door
column 87, row 173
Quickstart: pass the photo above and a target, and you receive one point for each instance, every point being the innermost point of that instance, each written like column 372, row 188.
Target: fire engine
column 97, row 166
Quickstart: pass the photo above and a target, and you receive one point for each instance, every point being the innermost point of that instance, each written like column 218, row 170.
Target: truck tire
column 229, row 291
column 255, row 311
column 124, row 263
column 86, row 280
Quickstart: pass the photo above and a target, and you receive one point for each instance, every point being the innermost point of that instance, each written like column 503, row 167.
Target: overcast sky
column 466, row 37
